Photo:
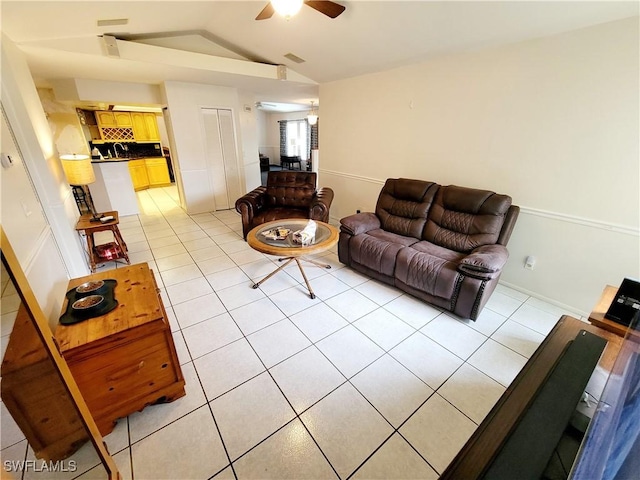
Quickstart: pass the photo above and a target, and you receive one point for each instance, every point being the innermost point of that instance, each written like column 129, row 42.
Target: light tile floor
column 363, row 381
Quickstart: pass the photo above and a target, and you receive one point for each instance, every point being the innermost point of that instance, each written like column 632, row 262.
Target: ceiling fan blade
column 330, row 9
column 267, row 12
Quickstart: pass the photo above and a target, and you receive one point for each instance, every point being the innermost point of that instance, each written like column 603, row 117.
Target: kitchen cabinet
column 139, row 176
column 157, row 172
column 145, row 127
column 149, row 172
column 115, row 126
column 105, row 119
column 113, row 119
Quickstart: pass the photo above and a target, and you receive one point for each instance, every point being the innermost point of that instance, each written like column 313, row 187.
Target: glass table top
column 283, row 233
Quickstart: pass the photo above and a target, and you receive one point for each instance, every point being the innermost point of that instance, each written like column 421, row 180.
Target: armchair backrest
column 290, row 189
column 463, row 218
column 403, row 205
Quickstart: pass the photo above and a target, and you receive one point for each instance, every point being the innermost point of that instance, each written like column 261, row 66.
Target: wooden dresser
column 126, row 359
column 36, row 396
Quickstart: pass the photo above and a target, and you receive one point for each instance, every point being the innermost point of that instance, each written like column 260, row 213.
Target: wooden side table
column 90, row 228
column 126, row 359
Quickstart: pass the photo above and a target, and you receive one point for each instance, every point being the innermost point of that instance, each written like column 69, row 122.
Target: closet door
column 215, row 158
column 221, row 157
column 230, row 155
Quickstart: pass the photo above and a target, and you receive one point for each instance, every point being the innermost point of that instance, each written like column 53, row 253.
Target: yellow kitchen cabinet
column 113, row 119
column 123, row 119
column 106, row 119
column 115, row 126
column 157, row 172
column 145, row 127
column 138, row 172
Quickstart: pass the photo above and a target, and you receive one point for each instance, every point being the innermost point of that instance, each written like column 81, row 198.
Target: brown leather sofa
column 288, row 194
column 444, row 245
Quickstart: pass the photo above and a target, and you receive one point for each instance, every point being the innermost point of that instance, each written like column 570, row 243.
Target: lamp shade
column 78, row 169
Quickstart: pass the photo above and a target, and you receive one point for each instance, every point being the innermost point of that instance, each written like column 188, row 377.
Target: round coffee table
column 326, row 237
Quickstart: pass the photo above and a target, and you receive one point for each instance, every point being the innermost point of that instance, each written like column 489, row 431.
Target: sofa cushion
column 403, row 205
column 462, row 218
column 290, row 189
column 377, row 250
column 429, row 268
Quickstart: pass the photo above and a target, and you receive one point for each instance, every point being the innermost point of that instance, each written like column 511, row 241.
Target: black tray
column 70, row 316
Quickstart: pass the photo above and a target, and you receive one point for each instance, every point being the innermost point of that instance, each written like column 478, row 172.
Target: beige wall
column 184, row 101
column 552, row 122
column 39, row 227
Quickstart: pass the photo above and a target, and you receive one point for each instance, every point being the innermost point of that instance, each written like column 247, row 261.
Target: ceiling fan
column 291, row 7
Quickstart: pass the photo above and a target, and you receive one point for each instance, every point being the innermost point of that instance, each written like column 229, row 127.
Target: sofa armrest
column 320, row 204
column 359, row 223
column 253, row 201
column 485, row 262
column 248, row 206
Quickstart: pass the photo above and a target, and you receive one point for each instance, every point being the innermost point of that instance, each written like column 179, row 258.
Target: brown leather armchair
column 288, row 194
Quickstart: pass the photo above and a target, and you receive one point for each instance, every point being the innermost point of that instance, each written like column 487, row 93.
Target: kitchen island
column 113, row 188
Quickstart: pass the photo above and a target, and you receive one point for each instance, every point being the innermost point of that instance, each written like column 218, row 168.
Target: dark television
column 611, row 447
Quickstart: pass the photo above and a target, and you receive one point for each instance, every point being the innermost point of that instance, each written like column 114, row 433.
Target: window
column 297, row 139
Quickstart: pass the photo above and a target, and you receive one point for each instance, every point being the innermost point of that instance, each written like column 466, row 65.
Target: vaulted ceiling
column 219, row 42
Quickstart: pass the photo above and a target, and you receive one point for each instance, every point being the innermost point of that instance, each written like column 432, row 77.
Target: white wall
column 249, row 128
column 184, row 102
column 39, row 227
column 552, row 122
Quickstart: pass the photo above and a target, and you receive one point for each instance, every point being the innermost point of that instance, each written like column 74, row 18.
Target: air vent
column 294, row 58
column 112, row 22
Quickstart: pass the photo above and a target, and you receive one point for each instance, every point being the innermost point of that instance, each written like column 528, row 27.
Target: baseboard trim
column 551, row 301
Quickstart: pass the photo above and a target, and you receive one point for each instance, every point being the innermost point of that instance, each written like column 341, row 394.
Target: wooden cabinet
column 36, row 396
column 126, row 359
column 149, row 172
column 157, row 171
column 145, row 127
column 113, row 119
column 115, row 126
column 123, row 119
column 105, row 119
column 139, row 176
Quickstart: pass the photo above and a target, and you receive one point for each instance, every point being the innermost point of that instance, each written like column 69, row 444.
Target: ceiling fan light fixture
column 287, row 8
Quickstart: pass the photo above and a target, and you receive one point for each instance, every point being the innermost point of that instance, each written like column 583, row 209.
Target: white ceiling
column 61, row 39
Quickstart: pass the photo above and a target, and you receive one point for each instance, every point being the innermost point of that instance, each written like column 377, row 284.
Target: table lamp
column 79, row 173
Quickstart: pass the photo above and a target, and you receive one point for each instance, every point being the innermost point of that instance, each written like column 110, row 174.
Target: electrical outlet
column 530, row 262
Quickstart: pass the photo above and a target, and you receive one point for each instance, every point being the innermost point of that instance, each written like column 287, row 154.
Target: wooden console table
column 124, row 360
